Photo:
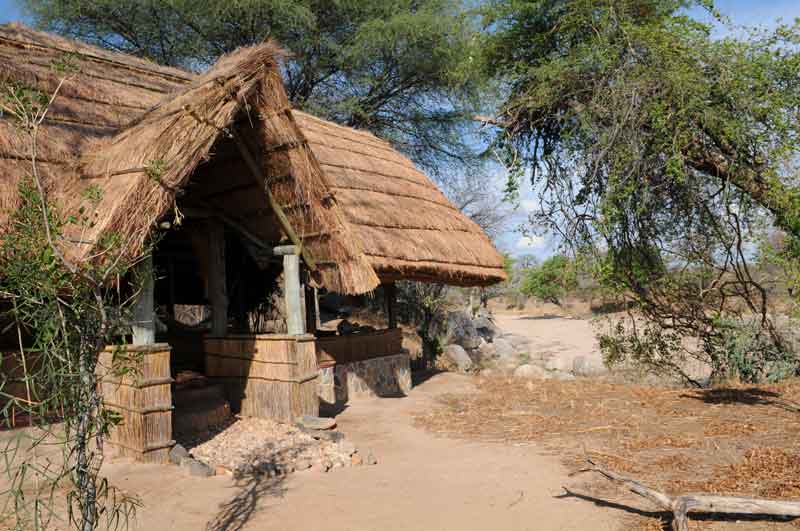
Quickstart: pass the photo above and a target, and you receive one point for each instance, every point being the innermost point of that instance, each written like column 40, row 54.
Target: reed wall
column 266, row 375
column 359, row 346
column 141, row 394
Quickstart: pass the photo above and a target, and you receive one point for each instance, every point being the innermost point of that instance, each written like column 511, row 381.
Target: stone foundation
column 383, row 376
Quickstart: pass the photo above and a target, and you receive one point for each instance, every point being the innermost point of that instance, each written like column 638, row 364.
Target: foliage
column 62, row 315
column 551, row 280
column 406, row 70
column 423, row 304
column 656, row 151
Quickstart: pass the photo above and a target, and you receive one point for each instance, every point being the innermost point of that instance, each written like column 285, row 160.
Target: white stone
column 530, row 372
column 456, row 355
column 583, row 366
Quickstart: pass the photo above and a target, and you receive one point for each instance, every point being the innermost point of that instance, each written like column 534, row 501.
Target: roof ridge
column 159, row 70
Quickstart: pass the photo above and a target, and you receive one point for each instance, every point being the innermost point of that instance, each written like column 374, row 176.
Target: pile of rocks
column 477, row 344
column 253, row 446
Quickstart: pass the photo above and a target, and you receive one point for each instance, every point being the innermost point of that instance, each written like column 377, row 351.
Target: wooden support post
column 144, row 315
column 217, row 286
column 390, row 294
column 295, row 313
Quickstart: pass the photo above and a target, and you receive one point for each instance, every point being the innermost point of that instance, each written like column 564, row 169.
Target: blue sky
column 765, row 13
column 9, row 11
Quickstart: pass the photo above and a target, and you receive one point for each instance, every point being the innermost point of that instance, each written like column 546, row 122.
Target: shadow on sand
column 752, row 396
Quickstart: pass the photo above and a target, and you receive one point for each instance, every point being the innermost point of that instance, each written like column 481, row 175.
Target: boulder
column 485, row 327
column 561, row 375
column 503, row 348
column 458, row 357
column 520, row 343
column 486, row 353
column 459, row 330
column 530, row 372
column 196, row 468
column 584, row 366
column 315, row 423
column 177, row 453
column 554, row 362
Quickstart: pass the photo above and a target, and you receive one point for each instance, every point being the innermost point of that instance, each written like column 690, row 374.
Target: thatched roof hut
column 146, row 135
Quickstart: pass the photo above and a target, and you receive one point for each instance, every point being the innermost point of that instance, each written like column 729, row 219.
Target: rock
column 196, row 468
column 503, row 348
column 530, row 372
column 322, row 435
column 485, row 327
column 356, row 460
column 347, row 448
column 561, row 375
column 583, row 366
column 487, row 352
column 459, row 330
column 556, row 363
column 177, row 453
column 315, row 423
column 520, row 343
column 456, row 355
column 371, row 460
column 489, row 373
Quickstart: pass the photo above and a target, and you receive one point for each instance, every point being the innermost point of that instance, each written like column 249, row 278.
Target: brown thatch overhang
column 363, row 211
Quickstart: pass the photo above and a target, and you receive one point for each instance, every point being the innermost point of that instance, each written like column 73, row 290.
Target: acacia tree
column 63, row 313
column 660, row 153
column 406, row 70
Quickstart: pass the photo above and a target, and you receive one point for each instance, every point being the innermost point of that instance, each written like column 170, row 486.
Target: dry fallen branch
column 681, row 506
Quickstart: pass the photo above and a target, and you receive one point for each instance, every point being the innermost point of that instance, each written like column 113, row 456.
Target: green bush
column 551, row 280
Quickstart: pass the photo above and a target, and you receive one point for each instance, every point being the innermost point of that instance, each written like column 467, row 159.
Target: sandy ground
column 421, row 483
column 566, row 338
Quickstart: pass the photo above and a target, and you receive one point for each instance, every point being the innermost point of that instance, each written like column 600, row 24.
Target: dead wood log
column 681, row 506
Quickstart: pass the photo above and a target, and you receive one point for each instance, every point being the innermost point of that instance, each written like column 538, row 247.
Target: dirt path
column 421, row 483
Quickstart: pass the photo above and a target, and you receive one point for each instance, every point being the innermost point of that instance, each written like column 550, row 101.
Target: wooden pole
column 390, row 294
column 283, row 220
column 144, row 326
column 295, row 313
column 217, row 286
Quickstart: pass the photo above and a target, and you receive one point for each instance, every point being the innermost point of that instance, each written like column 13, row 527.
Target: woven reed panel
column 266, row 376
column 143, row 398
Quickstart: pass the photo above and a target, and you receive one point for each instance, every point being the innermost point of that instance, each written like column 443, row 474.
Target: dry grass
column 737, row 440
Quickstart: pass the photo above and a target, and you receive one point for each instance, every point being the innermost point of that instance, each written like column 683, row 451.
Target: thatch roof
column 364, row 212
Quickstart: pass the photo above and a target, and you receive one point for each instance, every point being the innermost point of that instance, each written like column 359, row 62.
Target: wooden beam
column 217, row 287
column 144, row 315
column 295, row 313
column 390, row 294
column 273, row 203
column 235, row 225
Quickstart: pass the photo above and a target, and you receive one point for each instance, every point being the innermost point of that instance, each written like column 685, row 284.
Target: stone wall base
column 387, row 376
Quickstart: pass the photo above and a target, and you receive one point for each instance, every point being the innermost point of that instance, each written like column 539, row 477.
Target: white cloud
column 531, row 242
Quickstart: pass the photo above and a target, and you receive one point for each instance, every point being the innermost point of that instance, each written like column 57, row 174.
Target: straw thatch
column 363, row 211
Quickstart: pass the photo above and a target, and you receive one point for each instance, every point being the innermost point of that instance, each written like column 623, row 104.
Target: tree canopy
column 403, row 69
column 661, row 152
